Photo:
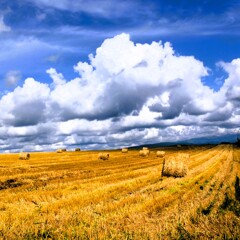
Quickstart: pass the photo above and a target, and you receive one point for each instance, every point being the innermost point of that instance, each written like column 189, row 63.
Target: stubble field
column 73, row 195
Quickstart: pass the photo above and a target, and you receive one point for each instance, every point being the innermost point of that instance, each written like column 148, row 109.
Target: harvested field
column 76, row 196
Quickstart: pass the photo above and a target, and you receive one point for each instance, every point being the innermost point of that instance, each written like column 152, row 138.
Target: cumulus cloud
column 126, row 94
column 25, row 105
column 124, row 83
column 58, row 78
column 221, row 114
column 231, row 86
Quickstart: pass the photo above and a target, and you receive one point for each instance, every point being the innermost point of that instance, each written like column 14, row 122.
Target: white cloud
column 84, row 127
column 103, row 8
column 231, row 86
column 41, row 16
column 124, row 75
column 25, row 105
column 58, row 78
column 3, row 27
column 127, row 94
column 53, row 58
column 12, row 78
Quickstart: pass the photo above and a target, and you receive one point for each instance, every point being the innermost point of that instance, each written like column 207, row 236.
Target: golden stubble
column 74, row 195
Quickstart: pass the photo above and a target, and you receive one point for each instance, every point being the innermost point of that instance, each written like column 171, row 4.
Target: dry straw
column 160, row 154
column 176, row 166
column 103, row 156
column 124, row 150
column 24, row 156
column 144, row 153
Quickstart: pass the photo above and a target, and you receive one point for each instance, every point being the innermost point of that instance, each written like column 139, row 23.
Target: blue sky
column 63, row 33
column 38, row 35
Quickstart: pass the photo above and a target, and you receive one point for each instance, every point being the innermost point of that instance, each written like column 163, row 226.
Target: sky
column 103, row 74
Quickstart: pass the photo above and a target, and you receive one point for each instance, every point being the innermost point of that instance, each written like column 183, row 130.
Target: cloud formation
column 103, row 8
column 3, row 26
column 127, row 94
column 12, row 78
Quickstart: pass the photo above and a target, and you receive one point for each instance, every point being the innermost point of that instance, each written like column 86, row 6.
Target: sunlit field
column 73, row 195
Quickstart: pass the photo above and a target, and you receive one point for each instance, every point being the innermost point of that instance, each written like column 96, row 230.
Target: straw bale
column 103, row 156
column 24, row 156
column 160, row 154
column 176, row 166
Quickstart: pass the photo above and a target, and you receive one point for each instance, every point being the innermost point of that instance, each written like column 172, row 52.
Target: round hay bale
column 144, row 153
column 124, row 150
column 175, row 166
column 145, row 148
column 59, row 151
column 160, row 154
column 24, row 156
column 103, row 156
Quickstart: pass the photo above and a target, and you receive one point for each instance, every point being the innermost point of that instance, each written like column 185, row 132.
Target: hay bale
column 77, row 149
column 160, row 154
column 144, row 153
column 176, row 166
column 145, row 148
column 103, row 156
column 59, row 151
column 124, row 150
column 24, row 156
